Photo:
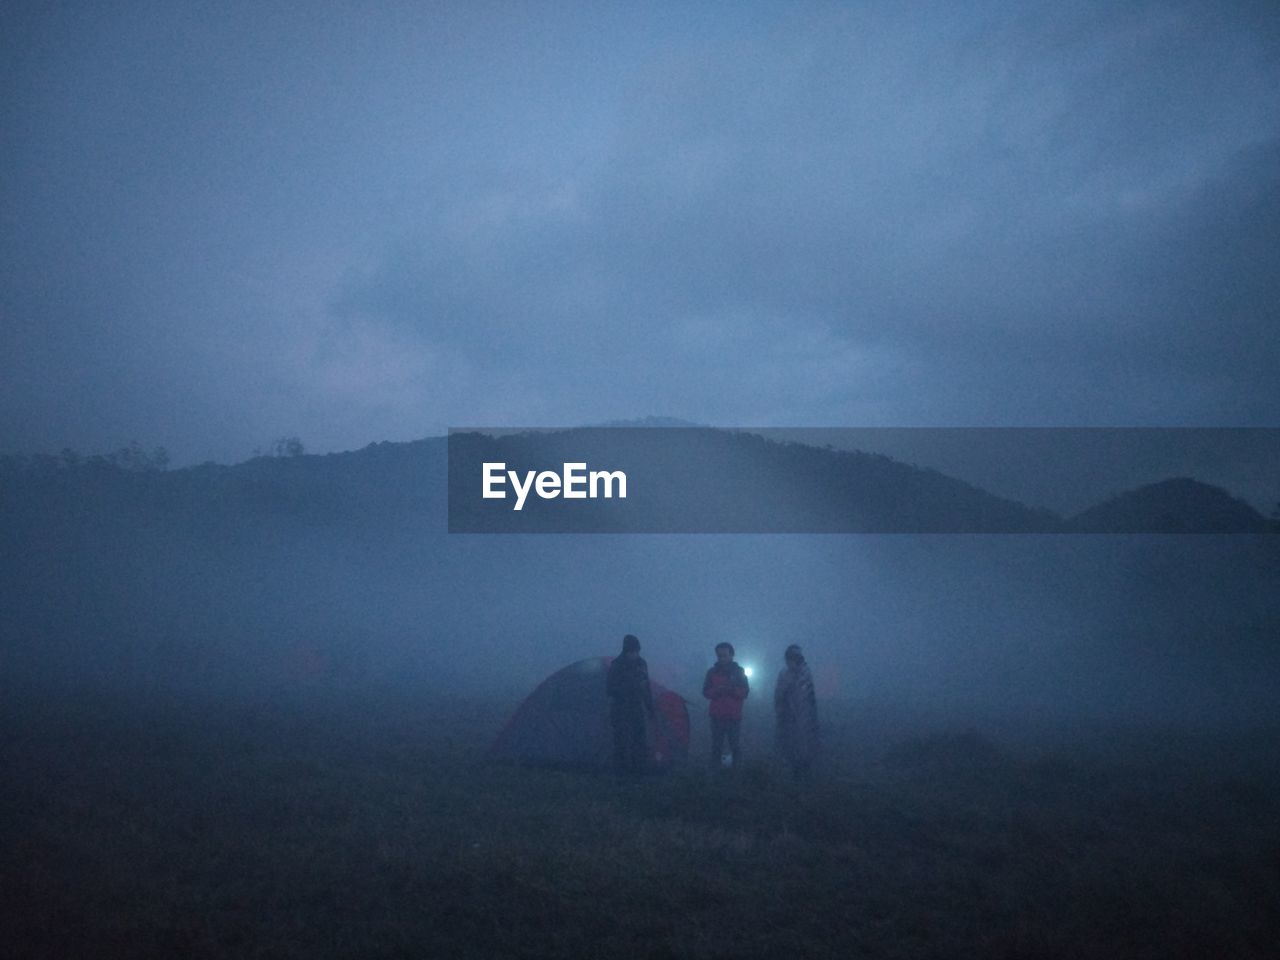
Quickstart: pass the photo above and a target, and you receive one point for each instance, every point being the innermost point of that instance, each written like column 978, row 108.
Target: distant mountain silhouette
column 690, row 479
column 1177, row 505
column 652, row 422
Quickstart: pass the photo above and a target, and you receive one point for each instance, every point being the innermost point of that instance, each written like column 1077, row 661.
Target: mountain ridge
column 388, row 477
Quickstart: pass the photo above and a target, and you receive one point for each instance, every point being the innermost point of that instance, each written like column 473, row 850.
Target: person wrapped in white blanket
column 796, row 709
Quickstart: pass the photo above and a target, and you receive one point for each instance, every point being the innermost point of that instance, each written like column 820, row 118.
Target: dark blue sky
column 228, row 222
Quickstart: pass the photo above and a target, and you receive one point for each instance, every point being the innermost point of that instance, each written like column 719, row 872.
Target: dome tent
column 564, row 722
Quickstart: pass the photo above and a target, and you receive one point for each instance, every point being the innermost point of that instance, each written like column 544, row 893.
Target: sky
column 225, row 223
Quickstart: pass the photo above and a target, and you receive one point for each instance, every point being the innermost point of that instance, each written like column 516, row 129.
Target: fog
column 273, row 578
column 261, row 708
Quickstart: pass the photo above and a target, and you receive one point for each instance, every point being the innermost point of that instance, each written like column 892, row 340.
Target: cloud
column 909, row 213
column 999, row 216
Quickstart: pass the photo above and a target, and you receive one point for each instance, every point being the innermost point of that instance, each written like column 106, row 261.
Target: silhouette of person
column 630, row 701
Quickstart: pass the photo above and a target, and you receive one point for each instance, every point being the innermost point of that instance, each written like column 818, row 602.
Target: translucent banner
column 863, row 480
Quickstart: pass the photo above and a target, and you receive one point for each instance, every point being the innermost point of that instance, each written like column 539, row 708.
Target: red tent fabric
column 565, row 722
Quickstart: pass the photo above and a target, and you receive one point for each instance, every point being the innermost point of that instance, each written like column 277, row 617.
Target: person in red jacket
column 726, row 687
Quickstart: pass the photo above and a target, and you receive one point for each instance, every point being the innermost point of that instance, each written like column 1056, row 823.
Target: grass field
column 364, row 826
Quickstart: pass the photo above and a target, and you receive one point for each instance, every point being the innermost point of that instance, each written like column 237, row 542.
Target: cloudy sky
column 228, row 222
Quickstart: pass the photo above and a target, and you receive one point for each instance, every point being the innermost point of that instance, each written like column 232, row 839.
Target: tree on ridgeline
column 288, row 447
column 133, row 459
column 137, row 460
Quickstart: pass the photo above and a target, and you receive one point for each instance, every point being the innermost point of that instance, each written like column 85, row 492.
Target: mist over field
column 335, row 572
column 252, row 707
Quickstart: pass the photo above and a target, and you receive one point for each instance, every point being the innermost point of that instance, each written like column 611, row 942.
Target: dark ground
column 358, row 825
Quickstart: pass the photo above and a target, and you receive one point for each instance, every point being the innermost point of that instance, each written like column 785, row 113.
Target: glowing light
column 749, row 671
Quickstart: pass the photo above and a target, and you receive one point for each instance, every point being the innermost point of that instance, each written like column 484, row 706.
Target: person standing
column 796, row 710
column 630, row 701
column 726, row 687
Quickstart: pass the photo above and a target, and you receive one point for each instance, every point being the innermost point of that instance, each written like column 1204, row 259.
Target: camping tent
column 565, row 722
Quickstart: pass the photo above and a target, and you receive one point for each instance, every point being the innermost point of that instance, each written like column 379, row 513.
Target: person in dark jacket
column 630, row 701
column 796, row 710
column 726, row 687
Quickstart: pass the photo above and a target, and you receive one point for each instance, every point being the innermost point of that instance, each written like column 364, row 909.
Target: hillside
column 1177, row 505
